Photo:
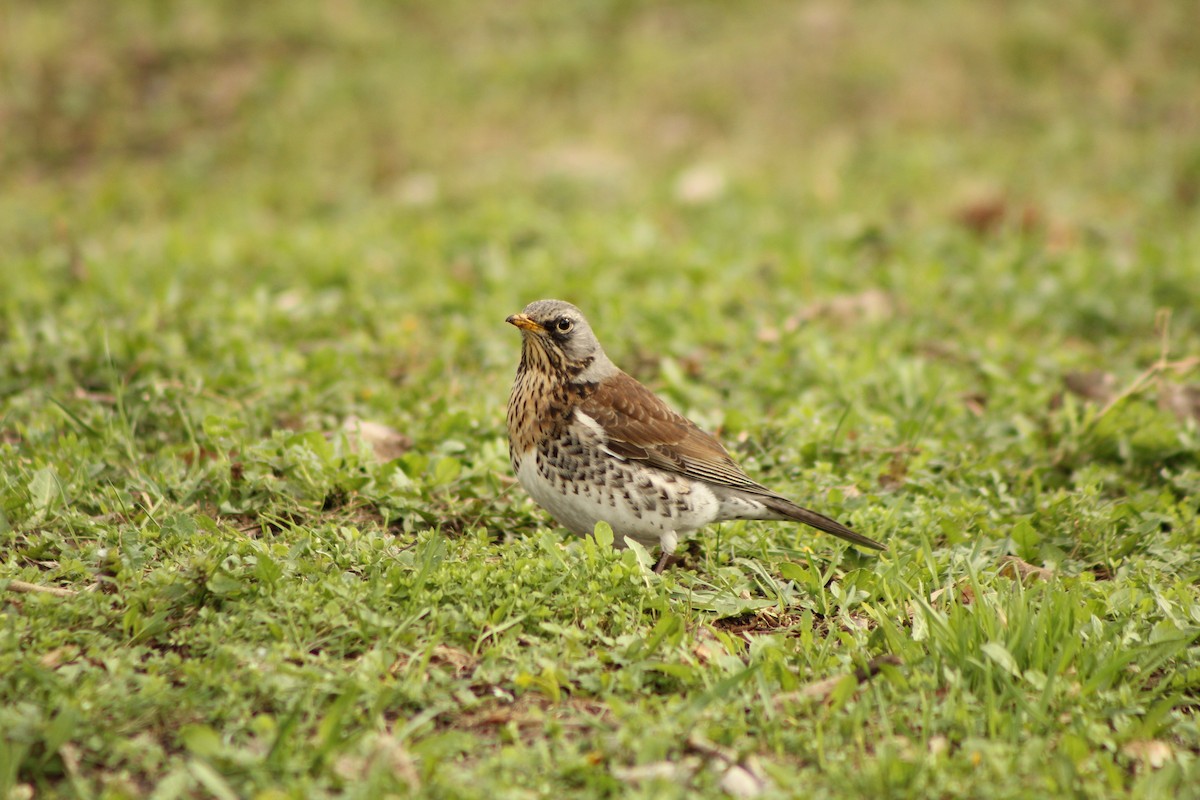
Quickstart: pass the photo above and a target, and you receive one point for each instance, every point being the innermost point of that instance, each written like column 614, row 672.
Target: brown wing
column 641, row 427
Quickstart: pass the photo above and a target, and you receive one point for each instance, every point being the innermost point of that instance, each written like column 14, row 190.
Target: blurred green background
column 991, row 163
column 1075, row 118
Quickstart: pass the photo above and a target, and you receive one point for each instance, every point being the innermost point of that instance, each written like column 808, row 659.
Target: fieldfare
column 590, row 443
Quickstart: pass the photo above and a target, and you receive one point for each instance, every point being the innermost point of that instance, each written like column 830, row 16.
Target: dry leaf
column 976, row 402
column 700, row 184
column 740, row 781
column 768, row 334
column 59, row 656
column 706, row 647
column 418, row 190
column 742, row 778
column 871, row 305
column 583, row 164
column 988, row 215
column 1153, row 753
column 387, row 753
column 1182, row 400
column 459, row 662
column 966, row 595
column 896, row 473
column 821, row 690
column 94, row 397
column 1017, row 569
column 1096, row 385
column 385, row 442
column 673, row 771
column 982, row 216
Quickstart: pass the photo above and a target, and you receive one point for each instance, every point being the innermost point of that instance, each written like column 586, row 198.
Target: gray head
column 557, row 333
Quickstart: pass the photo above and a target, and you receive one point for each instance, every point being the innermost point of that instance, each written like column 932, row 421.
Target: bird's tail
column 786, row 509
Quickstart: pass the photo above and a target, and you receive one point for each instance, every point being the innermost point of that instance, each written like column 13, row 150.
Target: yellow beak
column 523, row 322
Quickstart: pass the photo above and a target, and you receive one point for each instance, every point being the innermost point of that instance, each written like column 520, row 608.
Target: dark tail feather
column 790, row 510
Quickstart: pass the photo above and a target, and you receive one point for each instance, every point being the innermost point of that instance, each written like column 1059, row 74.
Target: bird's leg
column 668, row 540
column 665, row 560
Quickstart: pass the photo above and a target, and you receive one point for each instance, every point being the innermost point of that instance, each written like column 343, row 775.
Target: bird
column 589, row 443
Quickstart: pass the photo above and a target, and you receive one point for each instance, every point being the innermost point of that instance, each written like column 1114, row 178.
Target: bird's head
column 556, row 333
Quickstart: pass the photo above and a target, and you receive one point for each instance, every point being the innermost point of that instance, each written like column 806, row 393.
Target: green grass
column 870, row 244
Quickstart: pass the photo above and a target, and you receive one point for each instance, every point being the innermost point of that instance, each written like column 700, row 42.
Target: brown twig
column 33, row 588
column 1162, row 323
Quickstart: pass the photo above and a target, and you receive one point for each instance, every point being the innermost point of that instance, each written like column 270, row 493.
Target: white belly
column 632, row 509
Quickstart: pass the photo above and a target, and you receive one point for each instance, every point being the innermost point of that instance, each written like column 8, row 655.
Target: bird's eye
column 564, row 324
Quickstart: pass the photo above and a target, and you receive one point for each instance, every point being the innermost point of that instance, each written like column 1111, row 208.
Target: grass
column 904, row 257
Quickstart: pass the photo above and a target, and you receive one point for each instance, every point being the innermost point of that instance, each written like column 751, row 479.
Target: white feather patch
column 598, row 431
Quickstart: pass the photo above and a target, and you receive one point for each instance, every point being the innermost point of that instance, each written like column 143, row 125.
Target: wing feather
column 641, row 427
